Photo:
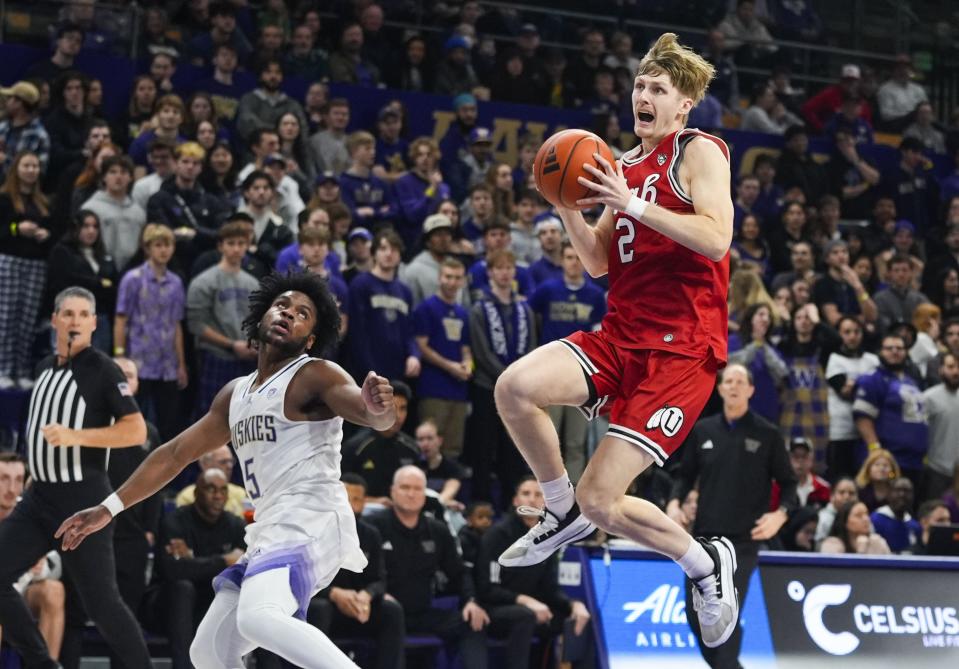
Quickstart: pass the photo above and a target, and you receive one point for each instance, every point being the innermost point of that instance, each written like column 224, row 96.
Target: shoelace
column 547, row 521
column 712, row 605
column 524, row 510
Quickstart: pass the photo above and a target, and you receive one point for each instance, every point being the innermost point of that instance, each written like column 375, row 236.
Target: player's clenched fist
column 377, row 394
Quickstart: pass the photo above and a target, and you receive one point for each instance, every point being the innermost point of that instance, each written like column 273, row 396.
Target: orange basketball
column 559, row 162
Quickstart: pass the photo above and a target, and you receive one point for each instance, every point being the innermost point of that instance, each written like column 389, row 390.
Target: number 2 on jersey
column 648, row 194
column 252, row 486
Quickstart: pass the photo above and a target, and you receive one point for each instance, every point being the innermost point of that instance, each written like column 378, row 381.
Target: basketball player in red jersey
column 663, row 239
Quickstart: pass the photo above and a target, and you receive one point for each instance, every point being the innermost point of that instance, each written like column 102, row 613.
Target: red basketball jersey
column 663, row 295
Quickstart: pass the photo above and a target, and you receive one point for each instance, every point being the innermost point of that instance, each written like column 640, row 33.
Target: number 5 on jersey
column 252, row 486
column 649, row 194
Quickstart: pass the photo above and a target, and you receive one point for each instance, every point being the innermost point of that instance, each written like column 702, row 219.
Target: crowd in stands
column 447, row 266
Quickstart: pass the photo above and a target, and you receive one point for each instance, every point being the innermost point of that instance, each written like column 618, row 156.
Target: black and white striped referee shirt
column 89, row 392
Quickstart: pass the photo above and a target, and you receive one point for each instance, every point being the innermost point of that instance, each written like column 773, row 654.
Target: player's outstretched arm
column 159, row 468
column 370, row 404
column 709, row 231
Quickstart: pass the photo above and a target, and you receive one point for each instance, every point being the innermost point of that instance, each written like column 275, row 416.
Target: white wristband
column 636, row 207
column 114, row 504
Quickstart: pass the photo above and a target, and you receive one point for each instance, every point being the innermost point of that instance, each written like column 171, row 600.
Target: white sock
column 696, row 561
column 559, row 495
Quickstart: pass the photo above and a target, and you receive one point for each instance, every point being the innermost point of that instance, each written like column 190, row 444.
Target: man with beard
column 265, row 105
column 455, row 142
column 285, row 421
column 950, row 338
column 843, row 368
column 890, row 405
column 347, row 64
column 195, row 543
column 894, row 522
column 942, row 402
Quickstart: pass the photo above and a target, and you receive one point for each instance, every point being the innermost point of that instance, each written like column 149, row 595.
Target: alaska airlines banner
column 862, row 617
column 642, row 617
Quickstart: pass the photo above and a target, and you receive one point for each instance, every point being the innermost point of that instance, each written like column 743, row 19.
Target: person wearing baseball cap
column 471, row 168
column 549, row 231
column 822, row 107
column 422, row 274
column 22, row 129
column 359, row 253
column 391, row 149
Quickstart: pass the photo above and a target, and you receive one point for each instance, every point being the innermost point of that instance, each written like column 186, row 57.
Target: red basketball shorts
column 653, row 397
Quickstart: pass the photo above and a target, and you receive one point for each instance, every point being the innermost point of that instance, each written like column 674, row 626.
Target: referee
column 79, row 393
column 735, row 455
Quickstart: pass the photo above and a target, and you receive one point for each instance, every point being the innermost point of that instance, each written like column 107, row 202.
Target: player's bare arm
column 160, row 467
column 705, row 176
column 590, row 241
column 323, row 389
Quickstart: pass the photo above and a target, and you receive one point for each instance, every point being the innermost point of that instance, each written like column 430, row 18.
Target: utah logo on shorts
column 668, row 419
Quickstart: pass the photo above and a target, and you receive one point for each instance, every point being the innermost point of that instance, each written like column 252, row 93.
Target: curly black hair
column 327, row 325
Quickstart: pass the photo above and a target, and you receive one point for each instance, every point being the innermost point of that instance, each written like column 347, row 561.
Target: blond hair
column 923, row 316
column 862, row 477
column 747, row 289
column 359, row 138
column 688, row 71
column 156, row 232
column 190, row 150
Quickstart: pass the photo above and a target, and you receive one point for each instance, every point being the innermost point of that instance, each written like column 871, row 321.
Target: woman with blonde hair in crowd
column 746, row 289
column 875, row 477
column 926, row 318
column 499, row 177
column 852, row 533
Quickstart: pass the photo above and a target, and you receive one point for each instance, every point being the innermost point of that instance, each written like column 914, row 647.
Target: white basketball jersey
column 291, row 469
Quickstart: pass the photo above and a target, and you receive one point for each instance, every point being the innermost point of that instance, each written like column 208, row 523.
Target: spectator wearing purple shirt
column 441, row 327
column 381, row 308
column 370, row 199
column 150, row 305
column 420, row 190
column 549, row 231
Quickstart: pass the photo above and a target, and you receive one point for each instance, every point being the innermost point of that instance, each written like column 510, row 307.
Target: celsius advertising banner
column 861, row 616
column 642, row 612
column 801, row 612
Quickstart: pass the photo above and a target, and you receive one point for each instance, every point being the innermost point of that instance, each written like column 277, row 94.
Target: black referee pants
column 726, row 656
column 27, row 535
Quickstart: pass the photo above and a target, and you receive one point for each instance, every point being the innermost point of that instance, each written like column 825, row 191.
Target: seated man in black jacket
column 524, row 600
column 195, row 543
column 357, row 604
column 420, row 553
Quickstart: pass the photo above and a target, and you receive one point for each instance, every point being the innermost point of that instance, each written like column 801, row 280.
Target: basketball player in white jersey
column 285, row 421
